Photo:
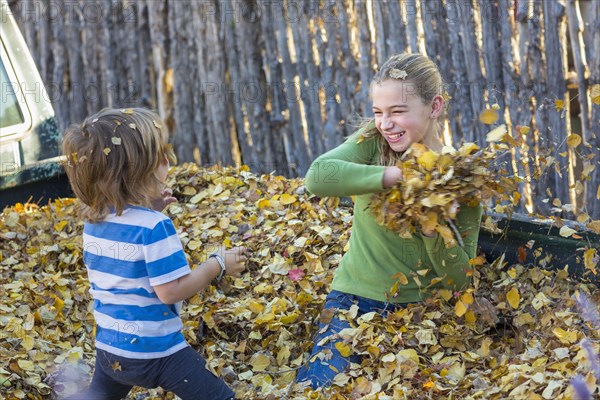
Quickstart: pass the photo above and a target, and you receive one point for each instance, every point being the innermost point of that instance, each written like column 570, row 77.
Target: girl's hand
column 235, row 260
column 166, row 198
column 391, row 176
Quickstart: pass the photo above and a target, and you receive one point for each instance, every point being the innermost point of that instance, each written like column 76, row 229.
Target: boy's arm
column 186, row 286
column 344, row 171
column 453, row 262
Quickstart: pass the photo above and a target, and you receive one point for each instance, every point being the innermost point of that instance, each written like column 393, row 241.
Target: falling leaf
column 524, row 130
column 573, row 140
column 565, row 231
column 488, row 116
column 116, row 140
column 401, row 278
column 559, row 105
column 496, row 134
column 106, row 151
column 116, row 366
column 127, row 111
column 595, row 94
column 513, row 297
column 132, row 126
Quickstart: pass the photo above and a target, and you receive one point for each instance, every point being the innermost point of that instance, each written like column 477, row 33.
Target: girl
column 117, row 162
column 407, row 102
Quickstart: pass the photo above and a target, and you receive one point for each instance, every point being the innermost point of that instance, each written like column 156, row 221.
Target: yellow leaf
column 488, row 116
column 59, row 304
column 470, row 317
column 409, row 354
column 26, row 365
column 106, row 151
column 513, row 297
column 259, row 362
column 496, row 134
column 263, row 203
column 590, row 260
column 484, row 350
column 595, row 93
column 27, row 342
column 460, row 308
column 256, row 307
column 287, row 199
column 524, row 130
column 573, row 140
column 400, row 277
column 127, row 111
column 559, row 105
column 344, row 349
column 467, row 298
column 60, row 226
column 445, row 294
column 428, row 159
column 565, row 337
column 428, row 222
column 428, row 385
column 446, row 234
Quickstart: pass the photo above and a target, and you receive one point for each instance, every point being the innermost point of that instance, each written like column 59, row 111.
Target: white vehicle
column 29, row 134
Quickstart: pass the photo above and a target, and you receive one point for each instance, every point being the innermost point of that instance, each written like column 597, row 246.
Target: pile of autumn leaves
column 518, row 333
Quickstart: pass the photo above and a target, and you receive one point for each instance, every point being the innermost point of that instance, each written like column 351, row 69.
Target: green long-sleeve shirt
column 375, row 253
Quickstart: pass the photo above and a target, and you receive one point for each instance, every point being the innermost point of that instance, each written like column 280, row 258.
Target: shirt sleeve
column 345, row 170
column 163, row 252
column 452, row 263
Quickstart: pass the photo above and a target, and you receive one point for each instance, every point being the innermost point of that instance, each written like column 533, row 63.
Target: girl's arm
column 453, row 262
column 345, row 170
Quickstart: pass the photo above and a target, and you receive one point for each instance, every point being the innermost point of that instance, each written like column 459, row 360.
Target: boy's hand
column 235, row 260
column 166, row 198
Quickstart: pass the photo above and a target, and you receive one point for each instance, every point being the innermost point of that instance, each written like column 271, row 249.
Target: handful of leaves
column 434, row 186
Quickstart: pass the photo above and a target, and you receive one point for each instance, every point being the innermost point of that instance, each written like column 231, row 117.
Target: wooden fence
column 274, row 83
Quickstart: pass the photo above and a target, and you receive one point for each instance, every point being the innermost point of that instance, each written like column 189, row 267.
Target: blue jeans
column 321, row 372
column 183, row 373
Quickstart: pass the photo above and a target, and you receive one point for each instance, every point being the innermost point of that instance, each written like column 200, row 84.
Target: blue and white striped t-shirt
column 125, row 257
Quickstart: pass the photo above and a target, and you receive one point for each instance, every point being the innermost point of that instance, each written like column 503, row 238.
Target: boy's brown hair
column 112, row 157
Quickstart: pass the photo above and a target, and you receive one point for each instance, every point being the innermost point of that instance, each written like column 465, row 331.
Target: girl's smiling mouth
column 395, row 137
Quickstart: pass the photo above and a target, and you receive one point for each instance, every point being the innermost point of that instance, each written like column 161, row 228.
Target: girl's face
column 402, row 117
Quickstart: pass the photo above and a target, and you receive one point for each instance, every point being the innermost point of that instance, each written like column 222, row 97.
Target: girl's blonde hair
column 420, row 71
column 111, row 160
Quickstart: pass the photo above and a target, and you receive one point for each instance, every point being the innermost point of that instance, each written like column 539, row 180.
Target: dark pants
column 183, row 373
column 321, row 372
